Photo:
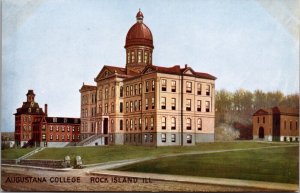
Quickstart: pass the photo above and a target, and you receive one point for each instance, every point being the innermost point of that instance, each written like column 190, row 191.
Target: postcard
column 189, row 96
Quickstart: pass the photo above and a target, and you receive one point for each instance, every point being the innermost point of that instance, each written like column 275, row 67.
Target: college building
column 276, row 124
column 146, row 104
column 33, row 127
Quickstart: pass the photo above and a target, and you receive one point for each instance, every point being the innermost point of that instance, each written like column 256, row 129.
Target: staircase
column 30, row 154
column 89, row 140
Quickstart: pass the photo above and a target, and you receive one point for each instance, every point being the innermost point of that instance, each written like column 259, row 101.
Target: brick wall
column 9, row 161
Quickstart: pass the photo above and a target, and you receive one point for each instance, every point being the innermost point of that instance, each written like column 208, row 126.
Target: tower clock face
column 32, row 103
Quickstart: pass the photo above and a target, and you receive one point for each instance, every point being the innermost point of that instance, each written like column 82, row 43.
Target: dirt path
column 85, row 183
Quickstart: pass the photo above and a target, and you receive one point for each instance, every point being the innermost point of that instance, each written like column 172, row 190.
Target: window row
column 173, row 123
column 290, row 125
column 188, row 87
column 63, row 128
column 139, row 56
column 188, row 104
column 173, row 138
column 57, row 137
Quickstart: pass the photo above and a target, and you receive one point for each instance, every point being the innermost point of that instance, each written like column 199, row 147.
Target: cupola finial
column 139, row 16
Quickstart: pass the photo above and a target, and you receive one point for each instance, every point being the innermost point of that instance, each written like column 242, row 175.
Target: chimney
column 46, row 110
column 185, row 66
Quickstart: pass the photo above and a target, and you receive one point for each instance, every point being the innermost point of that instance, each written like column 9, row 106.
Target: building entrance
column 105, row 126
column 261, row 133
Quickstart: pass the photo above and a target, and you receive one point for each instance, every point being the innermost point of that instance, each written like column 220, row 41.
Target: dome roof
column 139, row 34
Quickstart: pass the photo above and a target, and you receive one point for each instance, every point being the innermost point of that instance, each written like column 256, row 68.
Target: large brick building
column 276, row 124
column 145, row 104
column 33, row 126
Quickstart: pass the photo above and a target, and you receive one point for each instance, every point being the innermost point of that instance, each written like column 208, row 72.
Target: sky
column 53, row 47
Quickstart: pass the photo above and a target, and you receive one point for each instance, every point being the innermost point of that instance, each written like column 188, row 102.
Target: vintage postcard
column 189, row 96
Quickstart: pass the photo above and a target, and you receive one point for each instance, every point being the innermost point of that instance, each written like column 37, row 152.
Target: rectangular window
column 163, row 122
column 207, row 90
column 121, row 91
column 173, row 123
column 199, row 124
column 140, row 105
column 51, row 128
column 153, row 85
column 131, row 106
column 57, row 138
column 152, row 123
column 127, row 107
column 127, row 124
column 163, row 102
column 131, row 124
column 146, row 58
column 189, row 138
column 135, row 105
column 106, row 93
column 135, row 124
column 173, row 138
column 140, row 88
column 199, row 88
column 188, row 124
column 131, row 90
column 106, row 107
column 173, row 86
column 147, row 86
column 189, row 87
column 112, row 107
column 121, row 124
column 173, row 103
column 112, row 92
column 136, row 89
column 145, row 137
column 188, row 104
column 163, row 85
column 153, row 103
column 140, row 123
column 146, row 104
column 57, row 128
column 121, row 107
column 51, row 137
column 151, row 137
column 199, row 105
column 127, row 90
column 132, row 57
column 63, row 129
column 257, row 119
column 146, row 124
column 163, row 137
column 207, row 106
column 43, row 136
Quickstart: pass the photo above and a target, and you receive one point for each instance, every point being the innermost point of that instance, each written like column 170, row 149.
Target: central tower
column 139, row 46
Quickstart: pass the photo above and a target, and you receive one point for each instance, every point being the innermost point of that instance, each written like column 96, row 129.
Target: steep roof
column 277, row 110
column 63, row 120
column 87, row 87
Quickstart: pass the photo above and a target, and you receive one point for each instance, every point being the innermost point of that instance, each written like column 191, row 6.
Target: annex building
column 276, row 124
column 33, row 127
column 146, row 104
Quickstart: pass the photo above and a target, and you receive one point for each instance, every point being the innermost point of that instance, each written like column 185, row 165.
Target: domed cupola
column 139, row 45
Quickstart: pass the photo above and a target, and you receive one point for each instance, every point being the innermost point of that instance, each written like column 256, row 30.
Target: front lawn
column 99, row 154
column 15, row 153
column 275, row 165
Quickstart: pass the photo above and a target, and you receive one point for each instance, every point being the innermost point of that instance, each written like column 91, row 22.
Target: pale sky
column 53, row 46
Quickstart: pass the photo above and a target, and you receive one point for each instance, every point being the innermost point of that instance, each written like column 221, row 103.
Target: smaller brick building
column 33, row 127
column 276, row 124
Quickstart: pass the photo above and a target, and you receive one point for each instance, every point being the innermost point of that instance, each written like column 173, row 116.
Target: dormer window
column 106, row 73
column 146, row 57
column 139, row 56
column 132, row 57
column 128, row 57
column 54, row 119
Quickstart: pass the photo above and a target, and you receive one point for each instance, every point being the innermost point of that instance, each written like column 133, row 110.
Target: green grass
column 99, row 154
column 275, row 165
column 15, row 153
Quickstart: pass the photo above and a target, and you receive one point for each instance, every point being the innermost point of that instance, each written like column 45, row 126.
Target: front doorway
column 105, row 126
column 261, row 133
